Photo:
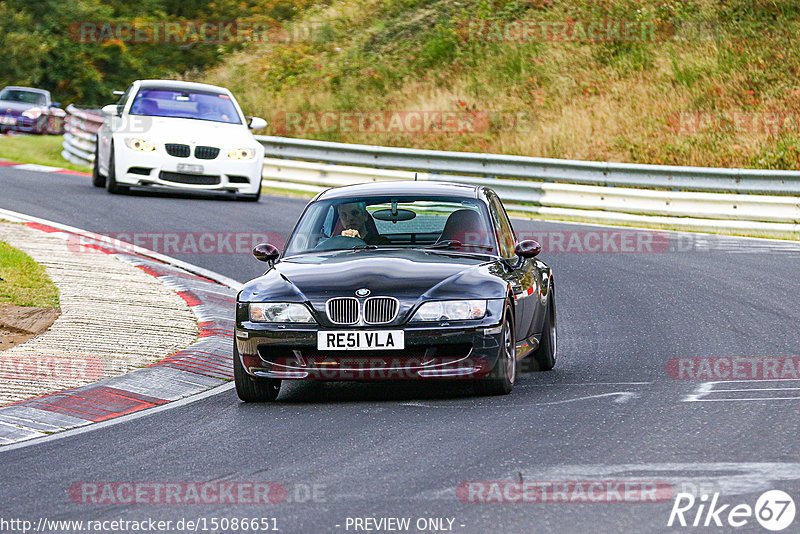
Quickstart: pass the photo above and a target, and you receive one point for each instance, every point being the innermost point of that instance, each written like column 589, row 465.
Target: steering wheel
column 340, row 242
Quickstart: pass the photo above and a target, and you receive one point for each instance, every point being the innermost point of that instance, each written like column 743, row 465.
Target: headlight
column 451, row 310
column 280, row 312
column 242, row 153
column 33, row 113
column 135, row 143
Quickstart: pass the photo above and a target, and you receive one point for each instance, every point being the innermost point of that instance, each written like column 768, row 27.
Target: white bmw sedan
column 178, row 135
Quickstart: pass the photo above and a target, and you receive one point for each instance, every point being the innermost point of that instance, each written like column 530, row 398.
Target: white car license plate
column 361, row 340
column 5, row 119
column 190, row 168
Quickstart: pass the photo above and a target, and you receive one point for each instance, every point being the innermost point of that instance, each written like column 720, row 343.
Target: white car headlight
column 33, row 113
column 280, row 312
column 242, row 153
column 451, row 310
column 134, row 143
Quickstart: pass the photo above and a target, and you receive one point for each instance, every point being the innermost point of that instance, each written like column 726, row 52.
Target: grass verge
column 23, row 282
column 39, row 149
column 713, row 84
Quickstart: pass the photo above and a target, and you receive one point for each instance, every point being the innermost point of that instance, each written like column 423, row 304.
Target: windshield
column 434, row 223
column 201, row 105
column 27, row 97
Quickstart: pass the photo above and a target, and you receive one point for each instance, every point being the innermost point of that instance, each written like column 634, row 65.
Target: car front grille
column 344, row 310
column 375, row 310
column 193, row 179
column 206, row 152
column 380, row 310
column 179, row 151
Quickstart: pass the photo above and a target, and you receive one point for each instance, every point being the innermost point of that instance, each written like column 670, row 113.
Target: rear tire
column 544, row 359
column 250, row 389
column 98, row 180
column 502, row 378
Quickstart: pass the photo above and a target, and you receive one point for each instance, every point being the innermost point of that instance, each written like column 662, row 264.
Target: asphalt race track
column 610, row 411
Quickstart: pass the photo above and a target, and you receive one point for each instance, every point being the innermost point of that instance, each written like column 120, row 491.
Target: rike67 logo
column 774, row 510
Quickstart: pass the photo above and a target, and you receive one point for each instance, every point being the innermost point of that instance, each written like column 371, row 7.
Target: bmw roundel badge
column 363, row 292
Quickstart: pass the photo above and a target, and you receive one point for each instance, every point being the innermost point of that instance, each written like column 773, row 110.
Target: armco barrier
column 80, row 135
column 740, row 201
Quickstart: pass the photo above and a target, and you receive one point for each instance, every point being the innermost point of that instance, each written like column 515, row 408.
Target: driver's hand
column 351, row 232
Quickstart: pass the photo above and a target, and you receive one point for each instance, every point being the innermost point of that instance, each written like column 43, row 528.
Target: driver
column 354, row 217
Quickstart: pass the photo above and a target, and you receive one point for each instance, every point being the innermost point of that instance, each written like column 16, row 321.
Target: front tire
column 98, row 180
column 545, row 356
column 502, row 378
column 251, row 389
column 111, row 181
column 255, row 197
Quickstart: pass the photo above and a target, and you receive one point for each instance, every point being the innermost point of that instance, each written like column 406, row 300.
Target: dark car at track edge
column 396, row 280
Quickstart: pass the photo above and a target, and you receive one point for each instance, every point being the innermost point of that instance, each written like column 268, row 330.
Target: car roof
column 179, row 84
column 406, row 187
column 23, row 88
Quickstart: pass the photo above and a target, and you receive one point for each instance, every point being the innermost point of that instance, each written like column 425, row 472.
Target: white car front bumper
column 158, row 168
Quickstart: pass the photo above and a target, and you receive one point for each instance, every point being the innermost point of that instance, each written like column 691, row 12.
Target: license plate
column 361, row 340
column 188, row 167
column 4, row 119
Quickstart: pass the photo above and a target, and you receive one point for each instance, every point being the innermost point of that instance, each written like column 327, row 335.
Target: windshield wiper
column 364, row 247
column 455, row 243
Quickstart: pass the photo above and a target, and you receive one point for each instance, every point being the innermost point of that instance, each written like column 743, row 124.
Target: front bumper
column 159, row 169
column 448, row 352
column 19, row 123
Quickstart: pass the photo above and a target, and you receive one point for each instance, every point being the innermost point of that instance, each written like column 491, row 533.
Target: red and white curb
column 204, row 365
column 40, row 168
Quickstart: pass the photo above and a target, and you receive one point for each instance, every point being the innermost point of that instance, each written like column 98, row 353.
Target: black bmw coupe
column 396, row 280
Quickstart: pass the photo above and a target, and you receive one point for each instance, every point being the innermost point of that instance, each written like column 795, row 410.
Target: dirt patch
column 19, row 324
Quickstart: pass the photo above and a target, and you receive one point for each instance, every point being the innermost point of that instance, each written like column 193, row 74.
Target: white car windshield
column 27, row 97
column 183, row 104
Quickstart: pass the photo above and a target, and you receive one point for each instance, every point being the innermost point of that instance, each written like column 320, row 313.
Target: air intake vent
column 193, row 179
column 206, row 152
column 379, row 310
column 344, row 310
column 179, row 151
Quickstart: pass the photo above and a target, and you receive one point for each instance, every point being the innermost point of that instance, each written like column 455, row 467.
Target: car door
column 520, row 274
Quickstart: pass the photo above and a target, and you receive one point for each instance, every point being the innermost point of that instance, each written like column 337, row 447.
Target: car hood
column 14, row 108
column 409, row 275
column 192, row 131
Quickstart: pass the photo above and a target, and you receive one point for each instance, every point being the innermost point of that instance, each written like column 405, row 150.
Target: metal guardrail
column 80, row 135
column 741, row 201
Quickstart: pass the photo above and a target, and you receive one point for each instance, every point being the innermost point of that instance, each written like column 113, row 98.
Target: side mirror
column 111, row 109
column 266, row 252
column 55, row 104
column 118, row 93
column 527, row 249
column 256, row 123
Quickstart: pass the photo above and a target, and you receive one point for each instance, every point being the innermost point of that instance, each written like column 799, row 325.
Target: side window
column 503, row 225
